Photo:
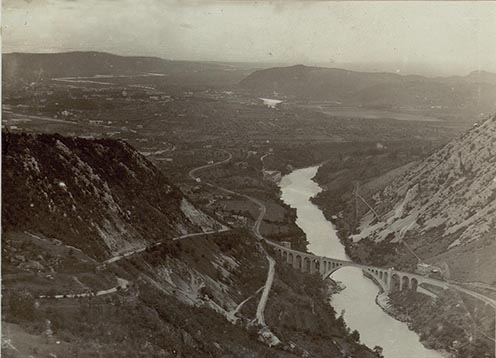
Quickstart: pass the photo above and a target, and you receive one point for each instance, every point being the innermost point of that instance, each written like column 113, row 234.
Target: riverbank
column 364, row 174
column 382, row 300
column 356, row 301
column 445, row 324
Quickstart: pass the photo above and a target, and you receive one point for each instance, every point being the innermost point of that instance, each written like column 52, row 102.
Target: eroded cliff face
column 100, row 196
column 445, row 206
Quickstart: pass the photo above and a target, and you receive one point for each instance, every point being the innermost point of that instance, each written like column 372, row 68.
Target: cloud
column 439, row 33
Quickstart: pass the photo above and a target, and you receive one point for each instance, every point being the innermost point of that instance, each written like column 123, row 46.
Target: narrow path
column 158, row 243
column 491, row 302
column 476, row 327
column 232, row 314
column 260, row 317
column 262, row 160
column 402, row 232
column 366, row 203
column 121, row 284
column 225, row 161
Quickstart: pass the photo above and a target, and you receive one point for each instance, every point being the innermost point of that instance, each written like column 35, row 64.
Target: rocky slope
column 69, row 204
column 444, row 207
column 99, row 196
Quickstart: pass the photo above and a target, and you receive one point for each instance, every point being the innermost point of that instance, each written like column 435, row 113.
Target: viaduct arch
column 387, row 279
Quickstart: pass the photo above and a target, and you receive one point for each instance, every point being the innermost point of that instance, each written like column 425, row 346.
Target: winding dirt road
column 260, row 317
column 121, row 284
column 158, row 243
column 225, row 161
column 487, row 300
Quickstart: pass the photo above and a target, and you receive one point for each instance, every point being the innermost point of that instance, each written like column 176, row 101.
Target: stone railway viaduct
column 388, row 279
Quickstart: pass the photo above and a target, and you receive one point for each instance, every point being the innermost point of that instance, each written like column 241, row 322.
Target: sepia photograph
column 248, row 179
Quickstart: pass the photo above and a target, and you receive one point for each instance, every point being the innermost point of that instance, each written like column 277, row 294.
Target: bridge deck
column 410, row 275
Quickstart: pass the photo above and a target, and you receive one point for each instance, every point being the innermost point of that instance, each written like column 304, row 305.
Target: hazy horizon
column 419, row 69
column 427, row 38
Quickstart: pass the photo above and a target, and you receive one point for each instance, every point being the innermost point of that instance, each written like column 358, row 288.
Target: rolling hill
column 25, row 68
column 475, row 92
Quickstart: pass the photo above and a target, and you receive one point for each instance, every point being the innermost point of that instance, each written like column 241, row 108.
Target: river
column 271, row 103
column 357, row 300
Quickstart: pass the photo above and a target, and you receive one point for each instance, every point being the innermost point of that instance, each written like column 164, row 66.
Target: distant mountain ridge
column 42, row 66
column 482, row 77
column 35, row 67
column 477, row 90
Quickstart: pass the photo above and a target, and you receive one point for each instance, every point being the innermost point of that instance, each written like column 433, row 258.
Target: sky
column 440, row 37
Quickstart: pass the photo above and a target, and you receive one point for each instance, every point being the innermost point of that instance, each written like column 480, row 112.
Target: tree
column 355, row 336
column 378, row 351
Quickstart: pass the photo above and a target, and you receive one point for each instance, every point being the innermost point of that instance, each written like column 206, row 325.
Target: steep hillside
column 71, row 207
column 381, row 90
column 445, row 207
column 100, row 196
column 191, row 298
